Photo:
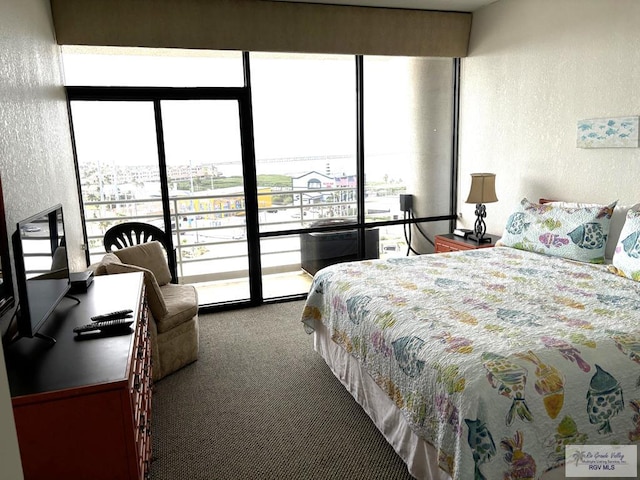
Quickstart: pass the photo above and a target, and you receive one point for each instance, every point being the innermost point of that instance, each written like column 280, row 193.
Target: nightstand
column 451, row 243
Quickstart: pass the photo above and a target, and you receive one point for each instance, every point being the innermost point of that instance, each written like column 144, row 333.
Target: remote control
column 114, row 326
column 112, row 315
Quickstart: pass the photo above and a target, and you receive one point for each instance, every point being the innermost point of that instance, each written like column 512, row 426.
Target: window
column 305, row 132
column 151, row 67
column 408, row 129
column 184, row 157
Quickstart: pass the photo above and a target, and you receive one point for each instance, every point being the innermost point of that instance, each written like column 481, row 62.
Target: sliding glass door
column 203, row 151
column 176, row 164
column 118, row 167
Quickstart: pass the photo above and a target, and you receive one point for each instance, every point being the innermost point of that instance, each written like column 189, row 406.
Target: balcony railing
column 209, row 231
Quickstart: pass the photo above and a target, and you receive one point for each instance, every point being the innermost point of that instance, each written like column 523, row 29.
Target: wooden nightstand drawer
column 442, row 246
column 451, row 243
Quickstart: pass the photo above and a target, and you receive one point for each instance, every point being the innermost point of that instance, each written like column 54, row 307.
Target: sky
column 303, row 106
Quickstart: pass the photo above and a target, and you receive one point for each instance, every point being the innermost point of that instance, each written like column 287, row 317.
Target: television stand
column 47, row 338
column 83, row 409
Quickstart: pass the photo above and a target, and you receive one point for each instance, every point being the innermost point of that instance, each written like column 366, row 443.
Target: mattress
column 491, row 360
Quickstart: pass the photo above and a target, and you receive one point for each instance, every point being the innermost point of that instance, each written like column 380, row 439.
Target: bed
column 486, row 363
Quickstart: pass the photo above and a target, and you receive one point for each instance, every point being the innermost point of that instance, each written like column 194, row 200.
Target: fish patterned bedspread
column 497, row 357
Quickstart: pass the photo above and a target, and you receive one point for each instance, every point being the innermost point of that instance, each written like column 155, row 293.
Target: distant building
column 313, row 181
column 347, row 181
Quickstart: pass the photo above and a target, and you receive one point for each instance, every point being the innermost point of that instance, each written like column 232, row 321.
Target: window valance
column 261, row 25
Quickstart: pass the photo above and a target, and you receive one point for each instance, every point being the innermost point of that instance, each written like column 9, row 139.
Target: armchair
column 173, row 307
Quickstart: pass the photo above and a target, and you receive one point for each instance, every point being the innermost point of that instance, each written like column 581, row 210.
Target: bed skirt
column 421, row 459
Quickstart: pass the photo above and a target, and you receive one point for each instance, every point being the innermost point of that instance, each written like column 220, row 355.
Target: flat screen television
column 42, row 269
column 7, row 300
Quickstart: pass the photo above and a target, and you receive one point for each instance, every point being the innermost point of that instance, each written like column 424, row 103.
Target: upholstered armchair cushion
column 182, row 305
column 155, row 299
column 147, row 255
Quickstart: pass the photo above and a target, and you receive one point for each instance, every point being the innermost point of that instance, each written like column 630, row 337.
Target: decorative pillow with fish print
column 575, row 232
column 626, row 259
column 615, row 227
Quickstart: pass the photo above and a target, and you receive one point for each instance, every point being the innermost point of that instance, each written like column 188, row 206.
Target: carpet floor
column 260, row 403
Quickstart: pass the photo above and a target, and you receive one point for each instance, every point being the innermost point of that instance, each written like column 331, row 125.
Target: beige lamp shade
column 483, row 188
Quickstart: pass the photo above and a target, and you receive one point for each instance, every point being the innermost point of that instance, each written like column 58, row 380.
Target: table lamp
column 483, row 190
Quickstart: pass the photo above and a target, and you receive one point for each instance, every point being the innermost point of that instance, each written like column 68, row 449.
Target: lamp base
column 475, row 238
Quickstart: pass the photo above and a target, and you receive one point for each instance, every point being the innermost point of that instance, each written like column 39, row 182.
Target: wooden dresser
column 452, row 243
column 82, row 408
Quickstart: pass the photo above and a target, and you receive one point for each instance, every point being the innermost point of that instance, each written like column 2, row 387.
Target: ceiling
column 446, row 5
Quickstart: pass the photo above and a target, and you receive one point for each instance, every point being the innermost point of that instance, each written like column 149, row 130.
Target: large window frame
column 243, row 96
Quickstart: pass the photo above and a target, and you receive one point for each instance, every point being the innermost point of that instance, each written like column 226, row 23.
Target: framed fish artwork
column 618, row 132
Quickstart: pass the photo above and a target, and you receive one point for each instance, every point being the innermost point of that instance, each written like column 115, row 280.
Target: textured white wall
column 535, row 68
column 36, row 161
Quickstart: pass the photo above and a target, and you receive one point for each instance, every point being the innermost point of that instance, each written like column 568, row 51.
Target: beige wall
column 36, row 161
column 536, row 67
